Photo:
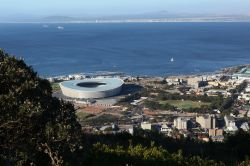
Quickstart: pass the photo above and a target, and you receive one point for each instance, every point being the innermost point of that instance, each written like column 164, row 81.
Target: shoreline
column 226, row 70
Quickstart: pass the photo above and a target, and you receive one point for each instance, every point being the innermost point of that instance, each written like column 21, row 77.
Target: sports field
column 185, row 104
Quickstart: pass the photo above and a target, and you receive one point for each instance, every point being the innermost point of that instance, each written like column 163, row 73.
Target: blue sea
column 130, row 48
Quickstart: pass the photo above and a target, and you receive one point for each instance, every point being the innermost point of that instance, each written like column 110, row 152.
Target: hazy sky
column 37, row 8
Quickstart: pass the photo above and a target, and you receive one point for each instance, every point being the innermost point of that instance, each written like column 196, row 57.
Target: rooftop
column 95, row 84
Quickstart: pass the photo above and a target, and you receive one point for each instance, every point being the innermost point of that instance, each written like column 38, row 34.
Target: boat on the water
column 172, row 59
column 60, row 27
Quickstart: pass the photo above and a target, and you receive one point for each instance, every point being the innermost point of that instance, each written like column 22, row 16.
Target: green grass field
column 186, row 104
column 55, row 87
column 83, row 115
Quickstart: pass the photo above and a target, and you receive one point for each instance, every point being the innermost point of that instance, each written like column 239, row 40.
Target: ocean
column 130, row 48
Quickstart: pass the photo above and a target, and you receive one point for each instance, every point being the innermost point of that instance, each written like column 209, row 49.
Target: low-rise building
column 215, row 132
column 146, row 126
column 206, row 121
column 244, row 126
column 213, row 83
column 174, row 81
column 197, row 82
column 127, row 128
column 246, row 94
column 165, row 128
column 230, row 123
column 219, row 138
column 216, row 92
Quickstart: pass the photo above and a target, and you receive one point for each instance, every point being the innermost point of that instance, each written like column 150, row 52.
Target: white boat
column 172, row 59
column 45, row 26
column 60, row 27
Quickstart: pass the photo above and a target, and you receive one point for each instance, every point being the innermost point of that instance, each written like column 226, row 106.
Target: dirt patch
column 94, row 109
column 148, row 112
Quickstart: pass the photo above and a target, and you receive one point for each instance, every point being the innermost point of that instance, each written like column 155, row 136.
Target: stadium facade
column 92, row 88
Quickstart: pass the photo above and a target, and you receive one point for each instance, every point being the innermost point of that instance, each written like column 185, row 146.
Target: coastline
column 227, row 71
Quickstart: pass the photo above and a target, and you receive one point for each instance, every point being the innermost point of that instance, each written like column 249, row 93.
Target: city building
column 174, row 81
column 230, row 123
column 181, row 123
column 213, row 83
column 216, row 92
column 244, row 126
column 146, row 126
column 215, row 132
column 127, row 128
column 197, row 82
column 165, row 128
column 218, row 138
column 246, row 94
column 206, row 121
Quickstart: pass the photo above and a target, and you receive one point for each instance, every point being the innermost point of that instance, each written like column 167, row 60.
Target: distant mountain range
column 158, row 16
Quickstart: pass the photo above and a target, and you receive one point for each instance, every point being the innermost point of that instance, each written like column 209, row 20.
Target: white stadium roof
column 92, row 88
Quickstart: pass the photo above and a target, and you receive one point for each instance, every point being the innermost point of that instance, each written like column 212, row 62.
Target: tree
column 31, row 118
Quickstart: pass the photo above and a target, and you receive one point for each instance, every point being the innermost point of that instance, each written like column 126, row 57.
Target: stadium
column 92, row 88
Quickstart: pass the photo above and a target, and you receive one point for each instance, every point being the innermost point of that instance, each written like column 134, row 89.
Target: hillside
column 37, row 129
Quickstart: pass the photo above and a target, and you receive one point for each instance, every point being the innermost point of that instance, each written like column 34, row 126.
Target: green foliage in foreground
column 37, row 129
column 33, row 125
column 140, row 155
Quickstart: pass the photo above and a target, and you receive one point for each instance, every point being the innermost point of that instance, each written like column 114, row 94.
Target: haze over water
column 132, row 48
